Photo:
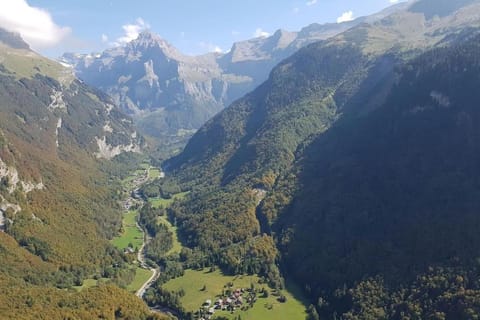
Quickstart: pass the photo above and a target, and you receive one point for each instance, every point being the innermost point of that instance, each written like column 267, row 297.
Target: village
column 134, row 200
column 230, row 300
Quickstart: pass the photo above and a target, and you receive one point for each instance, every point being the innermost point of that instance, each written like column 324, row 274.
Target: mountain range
column 170, row 94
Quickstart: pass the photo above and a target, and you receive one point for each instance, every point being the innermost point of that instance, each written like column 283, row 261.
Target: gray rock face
column 149, row 77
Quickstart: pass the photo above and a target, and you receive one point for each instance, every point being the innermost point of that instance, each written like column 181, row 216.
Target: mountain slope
column 395, row 192
column 248, row 181
column 58, row 200
column 260, row 134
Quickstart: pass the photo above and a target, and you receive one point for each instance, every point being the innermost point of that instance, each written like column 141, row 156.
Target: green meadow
column 131, row 233
column 141, row 276
column 202, row 285
column 160, row 202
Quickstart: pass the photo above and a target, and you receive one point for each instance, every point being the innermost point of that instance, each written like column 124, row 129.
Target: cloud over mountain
column 346, row 16
column 131, row 31
column 35, row 25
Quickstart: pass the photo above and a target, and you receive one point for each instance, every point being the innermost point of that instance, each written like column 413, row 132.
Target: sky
column 53, row 27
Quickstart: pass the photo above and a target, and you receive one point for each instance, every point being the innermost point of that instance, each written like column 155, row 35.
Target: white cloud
column 131, row 31
column 104, row 38
column 393, row 1
column 296, row 10
column 259, row 33
column 346, row 16
column 210, row 47
column 35, row 25
column 311, row 2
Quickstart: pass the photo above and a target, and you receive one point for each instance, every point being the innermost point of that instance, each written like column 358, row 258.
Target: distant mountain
column 440, row 8
column 171, row 95
column 58, row 207
column 355, row 165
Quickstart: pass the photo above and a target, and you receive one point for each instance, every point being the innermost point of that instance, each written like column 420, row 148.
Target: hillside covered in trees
column 352, row 169
column 60, row 191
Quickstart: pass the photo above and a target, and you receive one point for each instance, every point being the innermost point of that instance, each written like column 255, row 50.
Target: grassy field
column 270, row 309
column 160, row 202
column 88, row 283
column 128, row 182
column 265, row 308
column 177, row 246
column 131, row 233
column 141, row 276
column 154, row 173
column 145, row 165
column 27, row 64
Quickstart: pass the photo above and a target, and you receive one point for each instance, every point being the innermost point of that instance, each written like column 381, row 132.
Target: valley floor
column 133, row 239
column 198, row 286
column 202, row 286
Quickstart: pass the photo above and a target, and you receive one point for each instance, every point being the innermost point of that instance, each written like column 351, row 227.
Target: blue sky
column 193, row 26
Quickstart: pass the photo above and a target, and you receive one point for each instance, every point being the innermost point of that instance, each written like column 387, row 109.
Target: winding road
column 141, row 259
column 141, row 252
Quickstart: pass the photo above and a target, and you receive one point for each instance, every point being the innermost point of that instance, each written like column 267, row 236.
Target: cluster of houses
column 232, row 302
column 135, row 196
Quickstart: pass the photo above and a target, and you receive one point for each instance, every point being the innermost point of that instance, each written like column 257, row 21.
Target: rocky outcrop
column 10, row 178
column 107, row 151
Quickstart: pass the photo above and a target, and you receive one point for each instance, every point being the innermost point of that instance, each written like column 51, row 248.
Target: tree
column 312, row 313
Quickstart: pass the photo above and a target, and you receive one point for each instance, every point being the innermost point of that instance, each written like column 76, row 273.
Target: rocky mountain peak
column 148, row 40
column 148, row 37
column 283, row 38
column 13, row 39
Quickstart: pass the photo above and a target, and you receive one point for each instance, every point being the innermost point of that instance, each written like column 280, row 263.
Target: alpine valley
column 330, row 173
